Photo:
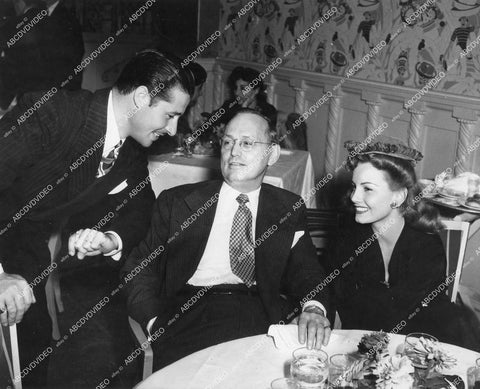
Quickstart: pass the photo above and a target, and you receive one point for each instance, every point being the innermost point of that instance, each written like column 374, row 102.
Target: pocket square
column 298, row 235
column 118, row 188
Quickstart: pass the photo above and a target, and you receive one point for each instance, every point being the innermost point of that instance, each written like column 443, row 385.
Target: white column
column 333, row 131
column 417, row 117
column 467, row 119
column 217, row 87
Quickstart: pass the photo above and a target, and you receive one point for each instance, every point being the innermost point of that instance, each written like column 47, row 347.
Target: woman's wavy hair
column 400, row 173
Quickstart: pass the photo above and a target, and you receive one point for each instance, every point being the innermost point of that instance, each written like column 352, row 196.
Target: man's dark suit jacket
column 64, row 47
column 48, row 166
column 25, row 66
column 279, row 269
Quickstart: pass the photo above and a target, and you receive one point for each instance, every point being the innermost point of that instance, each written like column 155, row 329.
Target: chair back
column 142, row 342
column 454, row 237
column 323, row 225
column 9, row 358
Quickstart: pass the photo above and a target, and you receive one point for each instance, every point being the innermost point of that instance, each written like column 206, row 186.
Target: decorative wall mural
column 423, row 38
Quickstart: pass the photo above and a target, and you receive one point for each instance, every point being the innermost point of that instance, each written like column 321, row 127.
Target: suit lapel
column 271, row 210
column 183, row 267
column 89, row 145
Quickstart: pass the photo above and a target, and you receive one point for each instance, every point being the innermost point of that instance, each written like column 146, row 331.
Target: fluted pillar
column 333, row 131
column 217, row 86
column 467, row 120
column 417, row 116
column 299, row 100
column 299, row 87
column 373, row 113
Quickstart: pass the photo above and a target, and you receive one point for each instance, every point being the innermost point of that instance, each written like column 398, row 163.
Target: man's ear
column 141, row 97
column 274, row 154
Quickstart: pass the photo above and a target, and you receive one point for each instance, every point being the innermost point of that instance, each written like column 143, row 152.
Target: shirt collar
column 112, row 137
column 231, row 194
column 52, row 7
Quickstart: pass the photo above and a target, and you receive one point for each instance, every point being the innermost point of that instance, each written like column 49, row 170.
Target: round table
column 254, row 362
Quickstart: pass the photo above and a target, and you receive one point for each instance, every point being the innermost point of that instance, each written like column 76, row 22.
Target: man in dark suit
column 77, row 159
column 200, row 278
column 63, row 45
column 23, row 65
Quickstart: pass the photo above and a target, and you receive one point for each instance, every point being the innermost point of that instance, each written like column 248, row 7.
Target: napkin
column 284, row 336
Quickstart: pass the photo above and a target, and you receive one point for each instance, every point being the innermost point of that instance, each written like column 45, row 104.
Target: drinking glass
column 411, row 341
column 339, row 374
column 284, row 383
column 422, row 369
column 473, row 376
column 309, row 367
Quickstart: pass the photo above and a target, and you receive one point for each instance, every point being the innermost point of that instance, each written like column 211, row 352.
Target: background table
column 293, row 171
column 254, row 362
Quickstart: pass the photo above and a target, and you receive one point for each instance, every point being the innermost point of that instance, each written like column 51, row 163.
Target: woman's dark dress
column 416, row 269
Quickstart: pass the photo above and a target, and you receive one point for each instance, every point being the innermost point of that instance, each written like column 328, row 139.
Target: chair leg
column 57, row 291
column 52, row 311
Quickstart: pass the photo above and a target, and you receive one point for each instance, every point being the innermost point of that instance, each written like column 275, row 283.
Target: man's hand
column 313, row 327
column 88, row 242
column 16, row 296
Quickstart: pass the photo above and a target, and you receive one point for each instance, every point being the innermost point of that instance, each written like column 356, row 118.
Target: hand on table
column 313, row 327
column 88, row 242
column 16, row 296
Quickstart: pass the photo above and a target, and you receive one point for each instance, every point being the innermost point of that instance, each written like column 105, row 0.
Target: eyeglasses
column 245, row 144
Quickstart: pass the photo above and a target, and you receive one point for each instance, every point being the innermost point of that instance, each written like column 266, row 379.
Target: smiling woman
column 392, row 257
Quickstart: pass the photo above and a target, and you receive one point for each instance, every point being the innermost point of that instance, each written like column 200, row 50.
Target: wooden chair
column 324, row 226
column 10, row 375
column 454, row 238
column 142, row 342
column 52, row 287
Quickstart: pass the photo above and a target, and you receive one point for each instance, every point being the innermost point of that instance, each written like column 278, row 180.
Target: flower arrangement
column 427, row 353
column 377, row 369
column 393, row 372
column 374, row 343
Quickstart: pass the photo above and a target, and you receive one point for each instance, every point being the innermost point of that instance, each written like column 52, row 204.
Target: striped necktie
column 242, row 250
column 107, row 162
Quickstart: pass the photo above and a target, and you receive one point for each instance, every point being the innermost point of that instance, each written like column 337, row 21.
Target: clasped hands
column 89, row 242
column 313, row 328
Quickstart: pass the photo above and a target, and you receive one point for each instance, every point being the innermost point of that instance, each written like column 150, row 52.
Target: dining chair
column 454, row 237
column 10, row 376
column 142, row 342
column 52, row 287
column 324, row 227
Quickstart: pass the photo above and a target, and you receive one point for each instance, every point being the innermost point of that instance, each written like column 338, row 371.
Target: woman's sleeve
column 424, row 271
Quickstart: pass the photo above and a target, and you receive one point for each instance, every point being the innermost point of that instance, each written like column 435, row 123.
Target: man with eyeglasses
column 225, row 259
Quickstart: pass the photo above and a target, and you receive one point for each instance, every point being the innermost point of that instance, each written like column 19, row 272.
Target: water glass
column 309, row 368
column 284, row 383
column 473, row 376
column 411, row 341
column 339, row 371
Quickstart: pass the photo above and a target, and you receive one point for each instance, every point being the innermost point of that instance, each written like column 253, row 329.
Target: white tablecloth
column 293, row 171
column 254, row 362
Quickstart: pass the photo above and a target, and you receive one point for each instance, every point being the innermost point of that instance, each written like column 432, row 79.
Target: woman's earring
column 393, row 204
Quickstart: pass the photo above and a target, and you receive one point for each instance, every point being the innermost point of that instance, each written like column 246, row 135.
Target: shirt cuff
column 1, row 269
column 115, row 254
column 314, row 303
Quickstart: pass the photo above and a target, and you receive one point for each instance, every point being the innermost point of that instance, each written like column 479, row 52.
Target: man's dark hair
column 157, row 71
column 198, row 72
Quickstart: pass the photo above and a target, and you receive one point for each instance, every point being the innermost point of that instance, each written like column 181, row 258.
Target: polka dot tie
column 242, row 254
